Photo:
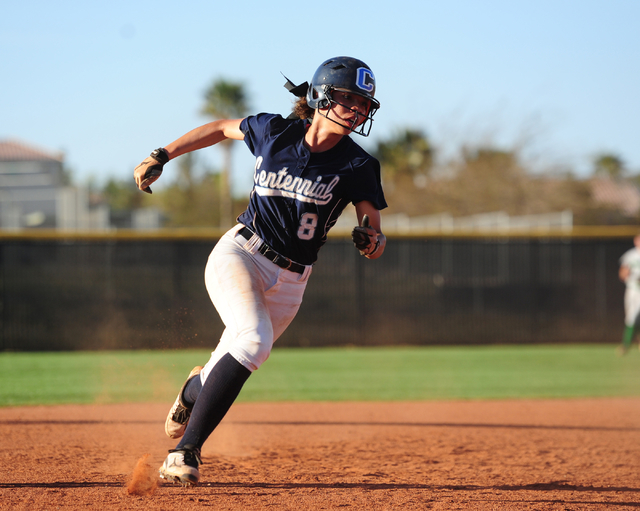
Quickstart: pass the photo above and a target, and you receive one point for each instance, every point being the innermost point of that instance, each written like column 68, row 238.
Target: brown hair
column 302, row 109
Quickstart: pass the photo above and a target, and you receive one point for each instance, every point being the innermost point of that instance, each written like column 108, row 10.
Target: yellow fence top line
column 613, row 231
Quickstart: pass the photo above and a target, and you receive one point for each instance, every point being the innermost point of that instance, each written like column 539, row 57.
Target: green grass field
column 329, row 374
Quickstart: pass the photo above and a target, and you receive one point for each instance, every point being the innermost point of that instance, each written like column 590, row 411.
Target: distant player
column 307, row 170
column 629, row 273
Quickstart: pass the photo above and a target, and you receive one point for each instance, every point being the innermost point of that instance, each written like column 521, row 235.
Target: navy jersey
column 298, row 195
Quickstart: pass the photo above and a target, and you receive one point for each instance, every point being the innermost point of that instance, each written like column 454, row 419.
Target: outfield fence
column 135, row 291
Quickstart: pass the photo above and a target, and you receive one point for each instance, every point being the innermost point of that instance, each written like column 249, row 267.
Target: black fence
column 118, row 292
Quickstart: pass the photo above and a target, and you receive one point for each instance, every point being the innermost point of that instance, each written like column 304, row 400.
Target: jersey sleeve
column 367, row 184
column 260, row 128
column 625, row 260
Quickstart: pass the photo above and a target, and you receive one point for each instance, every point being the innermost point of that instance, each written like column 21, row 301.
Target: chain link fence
column 133, row 292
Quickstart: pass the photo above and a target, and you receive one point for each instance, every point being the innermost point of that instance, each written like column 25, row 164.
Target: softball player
column 629, row 273
column 307, row 170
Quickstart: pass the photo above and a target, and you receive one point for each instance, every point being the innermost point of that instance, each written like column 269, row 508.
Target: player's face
column 349, row 110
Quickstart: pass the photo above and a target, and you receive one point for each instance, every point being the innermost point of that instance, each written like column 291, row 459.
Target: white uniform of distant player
column 630, row 275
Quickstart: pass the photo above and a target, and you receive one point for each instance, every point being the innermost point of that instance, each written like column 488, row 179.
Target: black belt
column 272, row 255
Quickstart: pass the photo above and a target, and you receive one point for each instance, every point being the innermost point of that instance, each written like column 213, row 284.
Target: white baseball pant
column 255, row 298
column 631, row 306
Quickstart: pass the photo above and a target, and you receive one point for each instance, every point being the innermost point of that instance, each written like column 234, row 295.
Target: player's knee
column 253, row 358
column 252, row 349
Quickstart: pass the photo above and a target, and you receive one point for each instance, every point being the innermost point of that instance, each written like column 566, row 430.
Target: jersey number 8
column 308, row 224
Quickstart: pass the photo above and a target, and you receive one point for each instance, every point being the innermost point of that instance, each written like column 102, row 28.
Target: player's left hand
column 365, row 237
column 150, row 169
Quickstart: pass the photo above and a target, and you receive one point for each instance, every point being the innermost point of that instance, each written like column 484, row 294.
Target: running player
column 629, row 273
column 307, row 170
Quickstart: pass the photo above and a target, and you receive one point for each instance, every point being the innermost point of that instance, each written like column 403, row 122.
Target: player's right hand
column 364, row 237
column 150, row 169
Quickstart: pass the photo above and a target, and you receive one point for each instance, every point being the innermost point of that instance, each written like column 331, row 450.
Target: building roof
column 623, row 195
column 12, row 150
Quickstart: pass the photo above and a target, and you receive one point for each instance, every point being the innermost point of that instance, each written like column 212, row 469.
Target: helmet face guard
column 344, row 74
column 361, row 128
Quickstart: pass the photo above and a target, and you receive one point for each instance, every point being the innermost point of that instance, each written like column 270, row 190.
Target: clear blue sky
column 107, row 82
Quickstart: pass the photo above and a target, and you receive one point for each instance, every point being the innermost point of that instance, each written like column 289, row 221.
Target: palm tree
column 608, row 165
column 407, row 154
column 226, row 100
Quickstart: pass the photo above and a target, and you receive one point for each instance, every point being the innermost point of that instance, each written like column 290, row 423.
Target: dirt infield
column 564, row 455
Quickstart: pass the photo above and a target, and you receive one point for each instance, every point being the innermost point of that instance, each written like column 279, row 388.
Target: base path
column 515, row 455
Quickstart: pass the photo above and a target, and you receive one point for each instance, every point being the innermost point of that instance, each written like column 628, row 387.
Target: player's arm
column 623, row 273
column 204, row 136
column 367, row 236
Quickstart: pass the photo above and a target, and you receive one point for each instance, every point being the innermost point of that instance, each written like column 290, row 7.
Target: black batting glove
column 365, row 237
column 150, row 169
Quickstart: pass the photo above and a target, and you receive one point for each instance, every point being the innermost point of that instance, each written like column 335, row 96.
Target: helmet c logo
column 365, row 79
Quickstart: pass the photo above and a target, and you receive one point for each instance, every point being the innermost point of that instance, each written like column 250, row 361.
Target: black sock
column 192, row 391
column 218, row 393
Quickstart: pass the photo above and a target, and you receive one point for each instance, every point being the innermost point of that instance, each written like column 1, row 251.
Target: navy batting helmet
column 343, row 74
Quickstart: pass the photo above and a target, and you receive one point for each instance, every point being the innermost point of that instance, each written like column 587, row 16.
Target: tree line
column 477, row 179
